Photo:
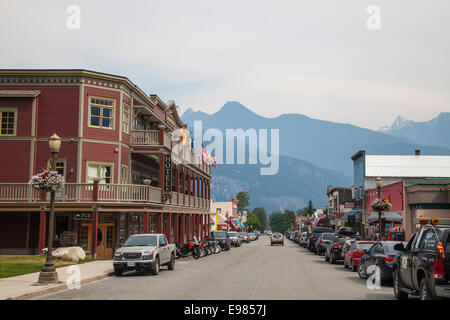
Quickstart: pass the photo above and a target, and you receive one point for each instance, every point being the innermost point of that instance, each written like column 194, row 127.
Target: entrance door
column 105, row 234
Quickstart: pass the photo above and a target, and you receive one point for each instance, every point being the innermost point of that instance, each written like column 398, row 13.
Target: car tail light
column 389, row 260
column 337, row 245
column 439, row 269
column 321, row 241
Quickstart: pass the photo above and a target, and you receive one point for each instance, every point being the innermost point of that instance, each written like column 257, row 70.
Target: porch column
column 209, row 224
column 160, row 227
column 201, row 226
column 189, row 189
column 183, row 228
column 175, row 227
column 192, row 225
column 184, row 187
column 146, row 220
column 94, row 233
column 169, row 227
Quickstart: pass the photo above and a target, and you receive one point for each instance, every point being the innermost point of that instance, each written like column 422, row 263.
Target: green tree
column 253, row 222
column 244, row 200
column 289, row 217
column 278, row 222
column 310, row 209
column 260, row 212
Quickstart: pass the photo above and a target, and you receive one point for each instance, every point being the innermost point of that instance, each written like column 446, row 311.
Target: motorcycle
column 182, row 250
column 195, row 248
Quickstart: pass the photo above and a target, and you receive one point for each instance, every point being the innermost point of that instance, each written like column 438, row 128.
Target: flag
column 441, row 250
column 183, row 132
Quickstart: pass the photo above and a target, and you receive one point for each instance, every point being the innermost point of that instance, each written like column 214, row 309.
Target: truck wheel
column 171, row 264
column 425, row 293
column 399, row 295
column 118, row 271
column 155, row 271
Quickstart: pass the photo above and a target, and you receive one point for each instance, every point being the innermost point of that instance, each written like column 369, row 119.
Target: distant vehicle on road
column 322, row 241
column 244, row 237
column 333, row 251
column 235, row 239
column 277, row 238
column 314, row 234
column 304, row 239
column 354, row 254
column 144, row 252
column 422, row 268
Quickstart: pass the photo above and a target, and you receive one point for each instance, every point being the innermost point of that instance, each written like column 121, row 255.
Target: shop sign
column 167, row 179
column 83, row 216
column 170, row 120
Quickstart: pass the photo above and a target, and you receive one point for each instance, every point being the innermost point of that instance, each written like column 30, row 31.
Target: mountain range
column 313, row 154
column 434, row 132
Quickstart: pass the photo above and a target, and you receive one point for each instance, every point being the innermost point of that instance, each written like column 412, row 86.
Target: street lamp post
column 48, row 273
column 379, row 183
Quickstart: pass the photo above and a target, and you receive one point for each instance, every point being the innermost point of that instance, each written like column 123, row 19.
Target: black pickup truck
column 421, row 269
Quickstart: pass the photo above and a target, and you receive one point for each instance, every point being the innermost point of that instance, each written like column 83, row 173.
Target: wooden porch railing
column 84, row 192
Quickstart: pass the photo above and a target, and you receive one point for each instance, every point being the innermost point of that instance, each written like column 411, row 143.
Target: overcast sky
column 313, row 57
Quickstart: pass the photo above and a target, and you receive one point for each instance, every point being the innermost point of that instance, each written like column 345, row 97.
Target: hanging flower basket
column 47, row 181
column 381, row 205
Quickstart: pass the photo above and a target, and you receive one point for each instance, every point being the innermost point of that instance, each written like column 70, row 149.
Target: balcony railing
column 90, row 192
column 145, row 137
column 151, row 138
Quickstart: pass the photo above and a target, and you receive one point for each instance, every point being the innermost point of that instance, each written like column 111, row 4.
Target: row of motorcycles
column 196, row 248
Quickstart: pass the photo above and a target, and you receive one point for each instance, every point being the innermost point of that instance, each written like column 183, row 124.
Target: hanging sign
column 167, row 179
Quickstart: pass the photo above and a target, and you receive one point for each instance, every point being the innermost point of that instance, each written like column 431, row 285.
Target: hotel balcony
column 100, row 193
column 151, row 138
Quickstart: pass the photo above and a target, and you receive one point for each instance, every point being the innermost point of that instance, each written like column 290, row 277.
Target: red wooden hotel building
column 115, row 141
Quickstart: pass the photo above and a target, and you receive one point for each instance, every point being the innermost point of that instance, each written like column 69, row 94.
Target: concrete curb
column 58, row 288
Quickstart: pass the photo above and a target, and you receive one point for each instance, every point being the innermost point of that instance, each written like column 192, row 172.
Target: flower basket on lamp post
column 49, row 181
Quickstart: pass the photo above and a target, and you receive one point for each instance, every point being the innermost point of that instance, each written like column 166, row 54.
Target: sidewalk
column 27, row 287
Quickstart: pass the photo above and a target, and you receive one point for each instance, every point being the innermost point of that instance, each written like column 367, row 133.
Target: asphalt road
column 252, row 271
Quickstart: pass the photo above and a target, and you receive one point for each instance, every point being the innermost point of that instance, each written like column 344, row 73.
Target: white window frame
column 15, row 122
column 98, row 164
column 113, row 107
column 126, row 120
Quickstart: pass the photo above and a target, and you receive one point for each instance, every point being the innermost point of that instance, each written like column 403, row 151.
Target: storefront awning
column 395, row 216
column 355, row 213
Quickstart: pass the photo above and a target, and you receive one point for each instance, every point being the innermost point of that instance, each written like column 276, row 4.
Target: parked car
column 253, row 236
column 222, row 238
column 234, row 238
column 322, row 241
column 277, row 238
column 144, row 252
column 333, row 250
column 314, row 234
column 244, row 237
column 305, row 239
column 420, row 268
column 381, row 254
column 353, row 255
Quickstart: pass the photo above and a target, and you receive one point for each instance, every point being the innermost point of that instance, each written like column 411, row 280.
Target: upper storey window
column 8, row 122
column 101, row 113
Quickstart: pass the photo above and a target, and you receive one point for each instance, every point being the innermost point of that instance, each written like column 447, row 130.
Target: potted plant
column 47, row 181
column 381, row 205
